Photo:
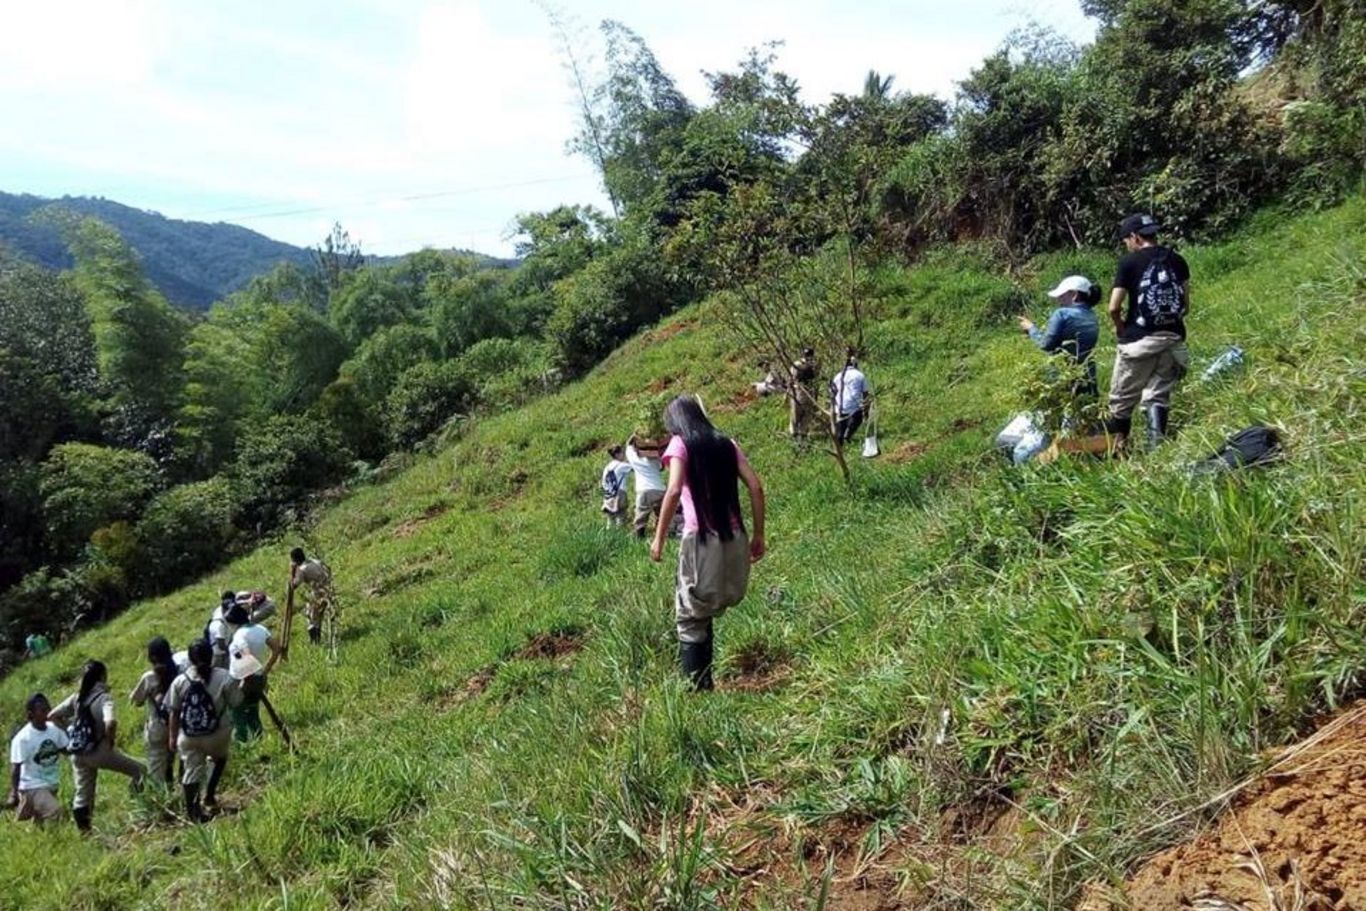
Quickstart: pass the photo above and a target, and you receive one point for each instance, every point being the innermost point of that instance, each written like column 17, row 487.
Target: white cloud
column 98, row 45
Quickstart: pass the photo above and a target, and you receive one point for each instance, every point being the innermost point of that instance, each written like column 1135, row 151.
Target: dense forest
column 140, row 445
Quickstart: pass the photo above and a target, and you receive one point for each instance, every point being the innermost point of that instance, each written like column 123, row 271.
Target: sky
column 414, row 123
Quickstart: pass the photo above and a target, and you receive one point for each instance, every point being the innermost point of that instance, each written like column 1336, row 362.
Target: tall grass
column 1095, row 649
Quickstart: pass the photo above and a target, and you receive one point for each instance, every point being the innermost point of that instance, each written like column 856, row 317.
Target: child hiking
column 614, row 486
column 91, row 727
column 197, row 703
column 714, row 555
column 35, row 754
column 151, row 692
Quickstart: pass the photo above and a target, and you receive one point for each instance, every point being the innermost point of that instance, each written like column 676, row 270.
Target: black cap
column 237, row 614
column 1142, row 224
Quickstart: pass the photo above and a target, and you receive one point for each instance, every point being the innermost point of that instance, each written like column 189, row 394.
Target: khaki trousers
column 1146, row 371
column 712, row 576
column 158, row 754
column 86, row 770
column 197, row 752
column 40, row 805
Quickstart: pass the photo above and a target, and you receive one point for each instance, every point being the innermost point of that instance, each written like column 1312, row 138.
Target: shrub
column 187, row 530
column 85, row 487
column 424, row 398
column 280, row 461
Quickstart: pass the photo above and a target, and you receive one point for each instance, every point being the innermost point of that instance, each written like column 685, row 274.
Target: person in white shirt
column 850, row 394
column 151, row 692
column 254, row 652
column 88, row 716
column 35, row 754
column 196, row 729
column 643, row 457
column 614, row 487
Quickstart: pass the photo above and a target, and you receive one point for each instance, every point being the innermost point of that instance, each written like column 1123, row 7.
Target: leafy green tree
column 367, row 301
column 185, row 531
column 85, row 487
column 335, row 259
column 139, row 338
column 44, row 319
column 379, row 361
column 425, row 397
column 469, row 309
column 279, row 462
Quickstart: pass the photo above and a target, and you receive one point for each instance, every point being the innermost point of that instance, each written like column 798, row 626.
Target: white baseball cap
column 1078, row 283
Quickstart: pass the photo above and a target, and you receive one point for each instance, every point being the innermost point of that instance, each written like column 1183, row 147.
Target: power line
column 365, row 203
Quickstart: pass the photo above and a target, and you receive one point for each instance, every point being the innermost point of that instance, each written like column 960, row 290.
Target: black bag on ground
column 1257, row 445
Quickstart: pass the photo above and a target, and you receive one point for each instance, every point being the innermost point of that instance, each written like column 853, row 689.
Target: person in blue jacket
column 1072, row 327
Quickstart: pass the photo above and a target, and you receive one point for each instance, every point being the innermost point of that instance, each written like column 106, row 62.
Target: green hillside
column 1113, row 643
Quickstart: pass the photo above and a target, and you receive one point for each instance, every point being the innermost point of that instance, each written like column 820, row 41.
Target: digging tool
column 275, row 719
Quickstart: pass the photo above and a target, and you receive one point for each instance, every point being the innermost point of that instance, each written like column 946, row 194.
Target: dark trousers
column 847, row 426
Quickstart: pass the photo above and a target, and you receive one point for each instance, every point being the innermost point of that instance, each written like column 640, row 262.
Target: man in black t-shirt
column 1151, row 356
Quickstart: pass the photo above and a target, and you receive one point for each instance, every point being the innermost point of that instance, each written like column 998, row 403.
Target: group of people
column 850, row 396
column 196, row 703
column 639, row 459
column 1151, row 357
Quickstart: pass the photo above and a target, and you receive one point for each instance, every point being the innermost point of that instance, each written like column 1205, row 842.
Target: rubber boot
column 211, row 792
column 695, row 657
column 192, row 809
column 1157, row 425
column 315, row 635
column 82, row 817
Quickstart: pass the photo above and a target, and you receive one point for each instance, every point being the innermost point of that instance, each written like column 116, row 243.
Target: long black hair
column 201, row 656
column 159, row 654
column 93, row 674
column 713, row 467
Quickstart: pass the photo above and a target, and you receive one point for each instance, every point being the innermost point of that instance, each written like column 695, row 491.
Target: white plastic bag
column 870, row 447
column 1022, row 438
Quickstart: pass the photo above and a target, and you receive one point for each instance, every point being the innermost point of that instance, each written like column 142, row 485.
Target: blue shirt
column 1071, row 329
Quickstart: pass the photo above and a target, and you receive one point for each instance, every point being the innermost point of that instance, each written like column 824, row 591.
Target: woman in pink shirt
column 714, row 556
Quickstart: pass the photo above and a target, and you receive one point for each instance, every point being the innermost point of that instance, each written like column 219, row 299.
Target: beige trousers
column 197, row 752
column 712, row 576
column 1146, row 371
column 86, row 770
column 39, row 804
column 158, row 755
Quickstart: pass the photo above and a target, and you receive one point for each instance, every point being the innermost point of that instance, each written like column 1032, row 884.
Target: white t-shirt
column 38, row 753
column 251, row 638
column 849, row 387
column 614, row 477
column 649, row 473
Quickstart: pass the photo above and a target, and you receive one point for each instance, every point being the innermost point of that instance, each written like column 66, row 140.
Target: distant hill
column 193, row 263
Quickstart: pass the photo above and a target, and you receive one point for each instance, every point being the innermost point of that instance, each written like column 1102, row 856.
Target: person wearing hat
column 801, row 393
column 1151, row 356
column 253, row 653
column 1072, row 327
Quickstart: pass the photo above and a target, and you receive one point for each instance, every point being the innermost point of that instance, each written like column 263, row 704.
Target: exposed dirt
column 906, row 452
column 1293, row 841
column 408, row 528
column 550, row 645
column 659, row 385
column 757, row 669
column 669, row 331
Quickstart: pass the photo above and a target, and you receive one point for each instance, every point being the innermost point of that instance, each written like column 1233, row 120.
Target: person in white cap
column 1072, row 328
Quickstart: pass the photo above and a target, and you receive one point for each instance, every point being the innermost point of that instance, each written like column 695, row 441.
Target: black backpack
column 81, row 737
column 1161, row 304
column 1251, row 446
column 198, row 716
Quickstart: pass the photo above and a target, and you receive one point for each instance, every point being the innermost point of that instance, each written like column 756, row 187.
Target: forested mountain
column 192, row 263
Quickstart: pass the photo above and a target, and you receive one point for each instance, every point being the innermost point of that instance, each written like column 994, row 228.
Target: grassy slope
column 438, row 765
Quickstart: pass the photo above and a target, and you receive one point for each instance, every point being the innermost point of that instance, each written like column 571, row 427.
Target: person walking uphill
column 850, row 394
column 714, row 555
column 614, row 486
column 1151, row 355
column 316, row 580
column 91, row 727
column 1072, row 328
column 254, row 652
column 198, row 701
column 151, row 691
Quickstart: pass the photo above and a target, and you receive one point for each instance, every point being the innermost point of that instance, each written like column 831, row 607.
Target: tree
column 279, row 462
column 139, row 338
column 425, row 397
column 369, row 301
column 185, row 531
column 468, row 310
column 86, row 487
column 336, row 258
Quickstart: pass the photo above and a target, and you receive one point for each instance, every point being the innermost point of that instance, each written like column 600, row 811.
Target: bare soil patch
column 906, row 452
column 408, row 528
column 757, row 669
column 550, row 645
column 1294, row 839
column 664, row 333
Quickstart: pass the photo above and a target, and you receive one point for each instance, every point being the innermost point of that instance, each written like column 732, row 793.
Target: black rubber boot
column 695, row 657
column 82, row 817
column 1157, row 426
column 192, row 808
column 315, row 635
column 211, row 792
